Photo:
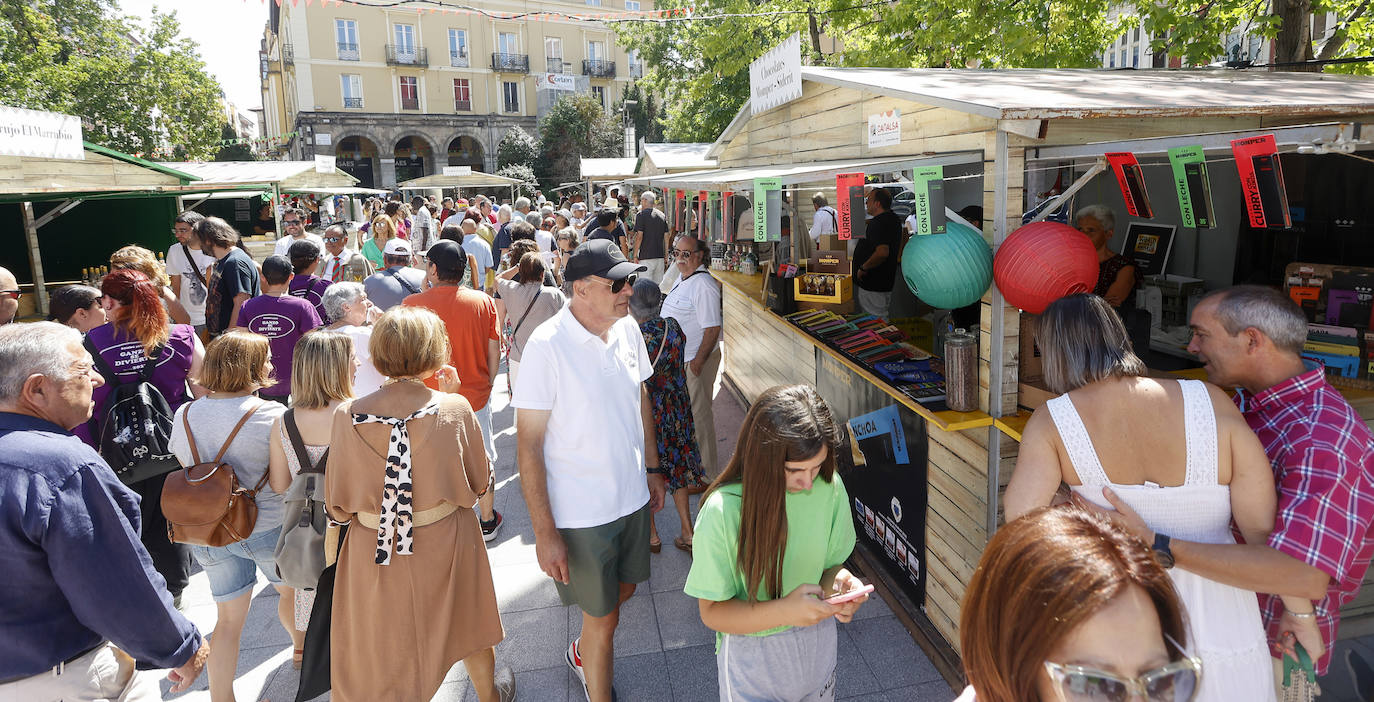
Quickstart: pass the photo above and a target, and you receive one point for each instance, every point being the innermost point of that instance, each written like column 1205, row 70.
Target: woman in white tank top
column 1178, row 452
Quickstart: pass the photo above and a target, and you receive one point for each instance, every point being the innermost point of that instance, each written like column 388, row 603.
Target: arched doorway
column 357, row 156
column 465, row 151
column 412, row 154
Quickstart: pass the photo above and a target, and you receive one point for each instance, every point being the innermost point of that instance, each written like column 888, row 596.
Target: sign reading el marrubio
column 45, row 134
column 775, row 77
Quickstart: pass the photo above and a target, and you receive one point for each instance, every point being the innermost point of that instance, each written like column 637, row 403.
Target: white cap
column 397, row 247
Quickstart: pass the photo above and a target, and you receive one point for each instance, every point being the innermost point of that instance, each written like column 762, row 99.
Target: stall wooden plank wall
column 23, row 173
column 761, row 350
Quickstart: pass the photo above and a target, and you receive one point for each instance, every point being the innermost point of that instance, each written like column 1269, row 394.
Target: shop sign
column 1261, row 179
column 775, row 77
column 849, row 205
column 34, row 133
column 556, row 81
column 1194, row 189
column 1132, row 183
column 885, row 129
column 767, row 209
column 928, row 185
column 457, row 170
column 324, row 139
column 324, row 164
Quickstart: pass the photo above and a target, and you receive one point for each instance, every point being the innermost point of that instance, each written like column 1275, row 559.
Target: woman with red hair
column 137, row 331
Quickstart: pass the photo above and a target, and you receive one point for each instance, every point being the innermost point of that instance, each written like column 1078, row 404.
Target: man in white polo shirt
column 582, row 419
column 694, row 302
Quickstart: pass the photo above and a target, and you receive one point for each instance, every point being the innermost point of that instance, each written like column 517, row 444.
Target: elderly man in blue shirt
column 84, row 611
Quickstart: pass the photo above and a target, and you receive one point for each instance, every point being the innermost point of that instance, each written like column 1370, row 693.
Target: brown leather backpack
column 204, row 503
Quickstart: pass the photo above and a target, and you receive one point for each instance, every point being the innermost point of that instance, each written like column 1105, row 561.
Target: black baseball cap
column 448, row 257
column 600, row 257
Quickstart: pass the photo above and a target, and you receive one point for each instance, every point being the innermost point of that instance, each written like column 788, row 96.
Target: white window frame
column 351, row 87
column 600, row 92
column 400, row 93
column 632, row 5
column 502, row 47
column 455, row 93
column 411, row 42
column 458, row 47
column 596, row 50
column 507, row 86
column 594, row 3
column 346, row 27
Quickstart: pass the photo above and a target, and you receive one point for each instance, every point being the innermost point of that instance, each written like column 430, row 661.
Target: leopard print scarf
column 396, row 525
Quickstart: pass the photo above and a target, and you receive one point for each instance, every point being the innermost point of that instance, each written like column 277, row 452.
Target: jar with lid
column 961, row 371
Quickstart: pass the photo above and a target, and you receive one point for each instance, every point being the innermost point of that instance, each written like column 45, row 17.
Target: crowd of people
column 340, row 403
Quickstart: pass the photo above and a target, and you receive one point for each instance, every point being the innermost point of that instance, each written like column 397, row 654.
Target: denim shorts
column 230, row 568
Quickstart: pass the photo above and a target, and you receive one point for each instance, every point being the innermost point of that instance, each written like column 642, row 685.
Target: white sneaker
column 575, row 662
column 505, row 684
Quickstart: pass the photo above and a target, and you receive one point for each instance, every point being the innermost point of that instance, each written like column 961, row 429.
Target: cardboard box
column 840, row 288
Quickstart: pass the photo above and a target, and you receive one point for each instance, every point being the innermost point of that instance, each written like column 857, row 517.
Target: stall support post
column 1001, row 161
column 40, row 289
column 276, row 208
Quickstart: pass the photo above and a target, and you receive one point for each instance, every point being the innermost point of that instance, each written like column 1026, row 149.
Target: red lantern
column 1042, row 262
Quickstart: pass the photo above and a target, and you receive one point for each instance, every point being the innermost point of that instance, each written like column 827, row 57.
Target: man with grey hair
column 1322, row 453
column 9, row 296
column 293, row 230
column 649, row 238
column 826, row 221
column 84, row 609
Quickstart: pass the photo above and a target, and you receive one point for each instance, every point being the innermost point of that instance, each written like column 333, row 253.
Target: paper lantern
column 948, row 271
column 1042, row 262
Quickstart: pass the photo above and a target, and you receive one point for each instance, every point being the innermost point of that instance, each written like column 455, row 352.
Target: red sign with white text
column 845, row 185
column 1261, row 180
column 1132, row 182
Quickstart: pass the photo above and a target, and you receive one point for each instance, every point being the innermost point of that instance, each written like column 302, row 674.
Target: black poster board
column 887, row 484
column 1149, row 245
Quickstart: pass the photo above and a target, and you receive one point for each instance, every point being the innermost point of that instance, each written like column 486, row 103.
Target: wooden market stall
column 474, row 179
column 993, row 131
column 596, row 172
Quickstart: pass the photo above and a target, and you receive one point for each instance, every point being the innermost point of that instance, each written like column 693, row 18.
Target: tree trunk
column 1294, row 40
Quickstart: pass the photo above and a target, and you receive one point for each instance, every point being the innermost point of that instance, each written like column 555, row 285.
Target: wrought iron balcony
column 462, row 105
column 407, row 55
column 348, row 52
column 353, row 103
column 410, row 103
column 597, row 68
column 458, row 58
column 636, row 70
column 510, row 63
column 288, row 55
column 558, row 65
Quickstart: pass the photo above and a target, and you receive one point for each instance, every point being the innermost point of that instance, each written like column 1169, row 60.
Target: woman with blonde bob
column 321, row 379
column 382, row 230
column 144, row 261
column 406, row 466
column 1066, row 607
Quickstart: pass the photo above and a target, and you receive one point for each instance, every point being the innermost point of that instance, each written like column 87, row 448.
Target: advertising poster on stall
column 885, row 129
column 703, row 217
column 713, row 216
column 679, row 210
column 1261, row 180
column 1149, row 245
column 887, row 483
column 767, row 209
column 928, row 185
column 727, row 218
column 1132, row 182
column 1194, row 189
column 851, row 219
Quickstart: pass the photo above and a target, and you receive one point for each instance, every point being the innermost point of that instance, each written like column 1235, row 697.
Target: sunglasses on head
column 618, row 285
column 1176, row 682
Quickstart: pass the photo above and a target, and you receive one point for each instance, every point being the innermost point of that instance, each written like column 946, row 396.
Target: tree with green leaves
column 139, row 87
column 576, row 127
column 644, row 113
column 234, row 150
column 517, row 147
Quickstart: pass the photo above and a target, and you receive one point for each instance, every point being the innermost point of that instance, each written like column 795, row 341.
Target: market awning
column 601, row 170
column 475, row 179
column 742, row 178
column 287, row 176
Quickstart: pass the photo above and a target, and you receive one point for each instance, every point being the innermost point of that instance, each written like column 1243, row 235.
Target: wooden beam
column 40, row 290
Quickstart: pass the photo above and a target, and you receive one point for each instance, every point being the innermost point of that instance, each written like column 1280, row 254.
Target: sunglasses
column 12, row 294
column 333, row 239
column 618, row 285
column 291, row 222
column 679, row 253
column 1175, row 682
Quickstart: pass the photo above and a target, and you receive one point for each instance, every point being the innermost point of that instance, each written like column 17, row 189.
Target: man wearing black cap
column 474, row 346
column 590, row 487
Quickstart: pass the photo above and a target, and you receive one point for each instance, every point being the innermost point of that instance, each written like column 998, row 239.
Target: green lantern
column 948, row 271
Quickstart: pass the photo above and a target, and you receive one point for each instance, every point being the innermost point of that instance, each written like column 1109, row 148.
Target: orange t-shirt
column 470, row 318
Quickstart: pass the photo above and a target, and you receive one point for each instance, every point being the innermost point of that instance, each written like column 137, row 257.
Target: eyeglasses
column 333, row 239
column 291, row 222
column 12, row 294
column 618, row 285
column 679, row 253
column 1175, row 682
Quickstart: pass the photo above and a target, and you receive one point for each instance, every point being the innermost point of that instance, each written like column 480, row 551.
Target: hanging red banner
column 727, row 219
column 1261, row 179
column 702, row 199
column 1132, row 183
column 849, row 204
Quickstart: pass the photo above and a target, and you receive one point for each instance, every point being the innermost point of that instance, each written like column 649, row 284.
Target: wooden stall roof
column 102, row 171
column 475, row 179
column 676, row 157
column 286, row 175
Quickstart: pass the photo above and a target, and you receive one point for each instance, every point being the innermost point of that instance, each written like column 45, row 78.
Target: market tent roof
column 742, row 178
column 476, row 179
column 289, row 176
column 678, row 157
column 609, row 168
column 103, row 172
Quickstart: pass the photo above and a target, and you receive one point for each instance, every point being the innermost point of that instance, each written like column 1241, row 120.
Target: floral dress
column 677, row 440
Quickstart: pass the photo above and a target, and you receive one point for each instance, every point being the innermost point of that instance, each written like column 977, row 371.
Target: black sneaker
column 490, row 528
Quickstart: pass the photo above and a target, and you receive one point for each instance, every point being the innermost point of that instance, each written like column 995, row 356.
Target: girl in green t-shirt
column 771, row 539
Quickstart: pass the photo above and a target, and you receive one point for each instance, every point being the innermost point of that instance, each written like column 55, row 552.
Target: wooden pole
column 40, row 290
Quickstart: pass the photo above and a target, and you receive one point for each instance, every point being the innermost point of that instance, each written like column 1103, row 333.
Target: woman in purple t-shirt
column 138, row 330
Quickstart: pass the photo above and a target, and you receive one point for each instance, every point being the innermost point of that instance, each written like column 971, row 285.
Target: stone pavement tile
column 262, row 627
column 535, row 639
column 545, row 685
column 637, row 632
column 641, row 678
column 934, row 691
column 891, row 654
column 668, row 569
column 679, row 621
column 872, row 609
column 852, row 674
column 692, row 671
column 511, row 548
column 256, row 667
column 1337, row 685
column 523, row 586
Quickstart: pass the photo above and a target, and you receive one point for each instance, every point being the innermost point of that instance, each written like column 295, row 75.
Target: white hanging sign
column 885, row 129
column 775, row 77
column 324, row 164
column 324, row 139
column 46, row 134
column 457, row 170
column 556, row 81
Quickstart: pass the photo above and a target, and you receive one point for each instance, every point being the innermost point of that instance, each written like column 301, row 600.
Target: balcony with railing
column 596, row 68
column 288, row 55
column 348, row 52
column 558, row 65
column 400, row 55
column 510, row 63
column 462, row 105
column 458, row 58
column 410, row 103
column 354, row 103
column 636, row 70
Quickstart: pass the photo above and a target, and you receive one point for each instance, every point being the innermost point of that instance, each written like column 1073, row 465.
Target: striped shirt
column 1323, row 460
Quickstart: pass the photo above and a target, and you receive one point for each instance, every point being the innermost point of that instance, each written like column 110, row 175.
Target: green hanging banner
column 767, row 209
column 1194, row 189
column 928, row 185
column 713, row 216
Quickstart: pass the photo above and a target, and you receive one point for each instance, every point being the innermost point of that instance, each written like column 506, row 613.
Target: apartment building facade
column 400, row 92
column 1132, row 48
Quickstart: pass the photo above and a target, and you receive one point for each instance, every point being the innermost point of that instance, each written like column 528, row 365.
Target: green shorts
column 602, row 557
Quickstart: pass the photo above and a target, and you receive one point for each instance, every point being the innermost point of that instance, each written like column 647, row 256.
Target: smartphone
column 849, row 596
